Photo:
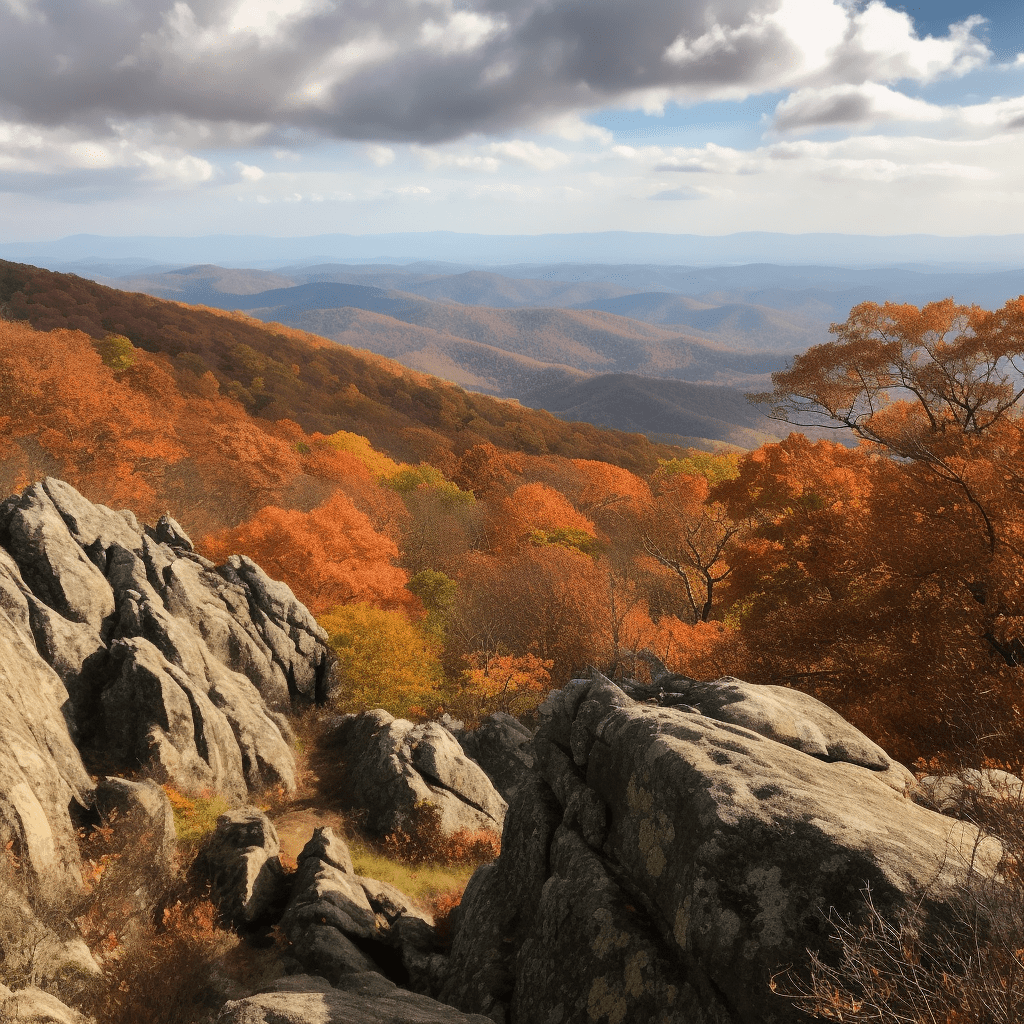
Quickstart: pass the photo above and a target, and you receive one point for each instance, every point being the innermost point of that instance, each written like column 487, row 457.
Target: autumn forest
column 467, row 554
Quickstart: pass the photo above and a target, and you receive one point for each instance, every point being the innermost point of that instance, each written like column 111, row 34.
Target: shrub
column 195, row 818
column 426, row 842
column 441, row 907
column 966, row 967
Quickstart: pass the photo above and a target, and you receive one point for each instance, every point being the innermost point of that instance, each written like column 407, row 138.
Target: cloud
column 678, row 193
column 380, row 155
column 249, row 172
column 544, row 158
column 122, row 156
column 435, row 70
column 868, row 103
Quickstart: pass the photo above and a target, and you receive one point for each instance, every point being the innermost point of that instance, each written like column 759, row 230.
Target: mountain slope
column 278, row 373
column 675, row 411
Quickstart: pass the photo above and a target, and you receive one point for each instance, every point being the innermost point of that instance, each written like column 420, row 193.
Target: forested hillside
column 466, row 555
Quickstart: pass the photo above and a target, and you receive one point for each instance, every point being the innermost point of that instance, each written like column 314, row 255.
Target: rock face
column 393, row 765
column 41, row 771
column 362, row 999
column 963, row 795
column 240, row 860
column 666, row 858
column 165, row 660
column 33, row 1006
column 341, row 924
column 501, row 746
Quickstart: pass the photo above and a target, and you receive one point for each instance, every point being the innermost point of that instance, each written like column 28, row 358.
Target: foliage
column 384, row 660
column 195, row 817
column 713, row 467
column 376, row 462
column 116, row 351
column 328, row 556
column 426, row 842
column 514, row 684
column 409, row 478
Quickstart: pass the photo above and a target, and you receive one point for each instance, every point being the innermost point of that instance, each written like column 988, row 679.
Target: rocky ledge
column 120, row 642
column 668, row 856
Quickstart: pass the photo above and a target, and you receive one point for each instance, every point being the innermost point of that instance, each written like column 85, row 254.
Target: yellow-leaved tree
column 384, row 661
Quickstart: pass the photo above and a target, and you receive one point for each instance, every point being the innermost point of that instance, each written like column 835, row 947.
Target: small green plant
column 195, row 818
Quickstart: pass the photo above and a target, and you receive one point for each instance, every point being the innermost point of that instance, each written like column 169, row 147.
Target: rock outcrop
column 41, row 771
column 360, row 999
column 668, row 856
column 166, row 660
column 393, row 765
column 501, row 746
column 34, row 1006
column 241, row 862
column 340, row 924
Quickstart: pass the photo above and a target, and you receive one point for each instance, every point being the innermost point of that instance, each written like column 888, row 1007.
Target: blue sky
column 294, row 117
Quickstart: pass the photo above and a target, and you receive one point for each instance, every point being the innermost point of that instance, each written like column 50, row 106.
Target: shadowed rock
column 663, row 861
column 393, row 765
column 501, row 746
column 240, row 860
column 340, row 923
column 362, row 998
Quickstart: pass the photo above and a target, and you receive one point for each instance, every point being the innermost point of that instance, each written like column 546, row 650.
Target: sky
column 299, row 117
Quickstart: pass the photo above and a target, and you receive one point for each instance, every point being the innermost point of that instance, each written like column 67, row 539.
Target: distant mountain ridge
column 600, row 246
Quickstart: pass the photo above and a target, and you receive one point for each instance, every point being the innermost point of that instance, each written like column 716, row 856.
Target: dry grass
column 964, row 966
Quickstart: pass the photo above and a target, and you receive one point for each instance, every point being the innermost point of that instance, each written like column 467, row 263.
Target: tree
column 934, row 386
column 926, row 607
column 330, row 556
column 384, row 661
column 691, row 535
column 515, row 684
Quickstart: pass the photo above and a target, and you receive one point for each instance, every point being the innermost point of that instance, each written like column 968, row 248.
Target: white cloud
column 868, row 103
column 380, row 155
column 544, row 158
column 249, row 172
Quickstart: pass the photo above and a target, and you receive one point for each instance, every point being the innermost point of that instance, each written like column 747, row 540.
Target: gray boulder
column 393, row 765
column 339, row 923
column 501, row 745
column 364, row 998
column 41, row 771
column 240, row 860
column 666, row 860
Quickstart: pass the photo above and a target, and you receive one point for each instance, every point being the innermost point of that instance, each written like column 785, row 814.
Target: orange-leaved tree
column 927, row 604
column 329, row 556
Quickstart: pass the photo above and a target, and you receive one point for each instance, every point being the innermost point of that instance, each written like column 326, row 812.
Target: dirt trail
column 295, row 826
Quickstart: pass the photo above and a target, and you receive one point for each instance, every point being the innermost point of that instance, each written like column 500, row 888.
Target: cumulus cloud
column 33, row 149
column 436, row 70
column 868, row 103
column 249, row 172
